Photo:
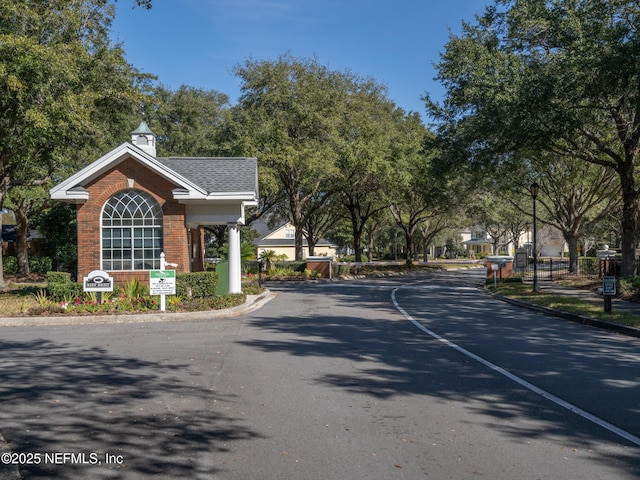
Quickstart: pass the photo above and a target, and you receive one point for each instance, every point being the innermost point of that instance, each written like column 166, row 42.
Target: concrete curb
column 253, row 303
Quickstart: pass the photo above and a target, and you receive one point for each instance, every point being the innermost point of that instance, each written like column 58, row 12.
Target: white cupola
column 143, row 138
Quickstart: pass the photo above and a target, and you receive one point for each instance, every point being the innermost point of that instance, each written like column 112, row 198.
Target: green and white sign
column 162, row 282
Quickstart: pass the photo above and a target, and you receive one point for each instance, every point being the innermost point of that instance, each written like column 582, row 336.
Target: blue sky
column 198, row 42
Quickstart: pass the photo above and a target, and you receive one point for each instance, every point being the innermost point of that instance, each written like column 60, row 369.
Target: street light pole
column 534, row 194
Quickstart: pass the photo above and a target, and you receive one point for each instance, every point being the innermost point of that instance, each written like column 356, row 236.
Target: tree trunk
column 629, row 222
column 298, row 242
column 628, row 246
column 572, row 242
column 357, row 240
column 408, row 237
column 425, row 249
column 311, row 243
column 370, row 245
column 23, row 244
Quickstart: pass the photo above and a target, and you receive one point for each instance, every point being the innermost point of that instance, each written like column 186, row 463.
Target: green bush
column 59, row 292
column 40, row 264
column 628, row 288
column 58, row 277
column 36, row 264
column 589, row 265
column 341, row 269
column 352, row 258
column 10, row 265
column 60, row 287
column 196, row 285
column 226, row 301
column 290, row 265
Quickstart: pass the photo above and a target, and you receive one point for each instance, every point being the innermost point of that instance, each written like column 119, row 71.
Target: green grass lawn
column 19, row 297
column 521, row 291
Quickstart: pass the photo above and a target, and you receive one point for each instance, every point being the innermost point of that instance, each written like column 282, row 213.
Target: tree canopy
column 560, row 77
column 64, row 87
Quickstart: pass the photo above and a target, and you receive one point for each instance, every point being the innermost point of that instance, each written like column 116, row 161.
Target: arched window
column 131, row 232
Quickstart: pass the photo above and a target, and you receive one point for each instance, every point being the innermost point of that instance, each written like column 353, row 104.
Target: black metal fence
column 549, row 269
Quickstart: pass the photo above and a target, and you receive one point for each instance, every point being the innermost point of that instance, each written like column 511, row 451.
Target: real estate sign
column 162, row 282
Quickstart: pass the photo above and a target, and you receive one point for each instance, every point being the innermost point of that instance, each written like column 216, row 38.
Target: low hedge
column 196, row 285
column 342, row 269
column 60, row 287
column 58, row 277
column 59, row 292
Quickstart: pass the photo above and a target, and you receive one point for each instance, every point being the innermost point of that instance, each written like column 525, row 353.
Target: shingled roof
column 216, row 174
column 196, row 178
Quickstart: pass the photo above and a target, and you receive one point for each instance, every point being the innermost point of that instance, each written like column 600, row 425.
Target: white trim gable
column 72, row 189
column 279, row 233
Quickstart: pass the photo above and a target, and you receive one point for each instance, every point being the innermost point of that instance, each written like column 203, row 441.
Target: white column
column 235, row 275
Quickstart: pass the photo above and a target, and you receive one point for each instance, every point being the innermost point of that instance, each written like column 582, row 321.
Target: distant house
column 476, row 242
column 281, row 240
column 550, row 242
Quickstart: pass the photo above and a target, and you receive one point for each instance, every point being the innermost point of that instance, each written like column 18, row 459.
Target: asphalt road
column 406, row 377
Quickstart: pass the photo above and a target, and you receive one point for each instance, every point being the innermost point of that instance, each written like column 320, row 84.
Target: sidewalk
column 585, row 296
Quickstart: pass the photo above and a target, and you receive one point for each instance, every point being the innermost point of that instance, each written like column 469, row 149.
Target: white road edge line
column 549, row 396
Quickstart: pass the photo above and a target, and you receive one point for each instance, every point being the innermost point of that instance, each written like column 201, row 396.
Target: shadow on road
column 391, row 359
column 61, row 398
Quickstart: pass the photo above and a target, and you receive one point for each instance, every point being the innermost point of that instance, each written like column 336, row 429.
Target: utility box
column 321, row 264
column 499, row 266
column 222, row 269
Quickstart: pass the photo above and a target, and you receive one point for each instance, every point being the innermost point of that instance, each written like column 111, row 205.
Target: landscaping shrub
column 36, row 264
column 589, row 265
column 59, row 292
column 628, row 288
column 341, row 269
column 251, row 286
column 196, row 285
column 40, row 264
column 250, row 267
column 352, row 258
column 60, row 287
column 290, row 265
column 226, row 301
column 10, row 265
column 58, row 277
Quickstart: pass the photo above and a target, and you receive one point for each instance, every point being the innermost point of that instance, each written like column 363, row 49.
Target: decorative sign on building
column 162, row 282
column 98, row 281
